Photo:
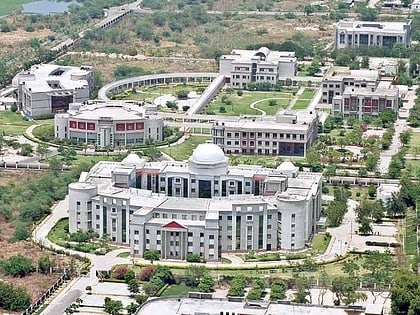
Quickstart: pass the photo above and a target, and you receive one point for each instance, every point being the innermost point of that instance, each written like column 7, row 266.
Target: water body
column 45, row 7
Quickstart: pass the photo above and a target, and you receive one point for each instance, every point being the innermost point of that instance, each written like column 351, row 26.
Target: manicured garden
column 183, row 151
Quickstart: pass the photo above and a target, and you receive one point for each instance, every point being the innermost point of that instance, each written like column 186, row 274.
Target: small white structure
column 384, row 191
column 47, row 88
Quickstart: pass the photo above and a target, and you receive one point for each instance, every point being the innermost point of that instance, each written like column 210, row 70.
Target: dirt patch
column 21, row 35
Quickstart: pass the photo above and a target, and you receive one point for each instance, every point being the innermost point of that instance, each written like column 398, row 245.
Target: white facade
column 291, row 133
column 46, row 88
column 202, row 206
column 242, row 67
column 110, row 123
column 350, row 33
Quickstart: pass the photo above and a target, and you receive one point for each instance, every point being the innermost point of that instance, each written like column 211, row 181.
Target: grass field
column 178, row 290
column 184, row 150
column 240, row 105
column 57, row 234
column 414, row 143
column 304, row 99
column 320, row 243
column 301, row 104
column 13, row 123
column 410, row 234
column 9, row 6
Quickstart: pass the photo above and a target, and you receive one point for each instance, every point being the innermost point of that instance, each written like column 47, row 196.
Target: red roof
column 174, row 225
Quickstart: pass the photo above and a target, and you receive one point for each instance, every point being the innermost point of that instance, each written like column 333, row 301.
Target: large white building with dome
column 202, row 206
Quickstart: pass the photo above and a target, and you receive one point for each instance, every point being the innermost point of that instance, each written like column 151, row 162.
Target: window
column 269, row 217
column 293, row 218
column 211, row 237
column 136, row 232
column 158, row 232
column 249, row 217
column 184, row 217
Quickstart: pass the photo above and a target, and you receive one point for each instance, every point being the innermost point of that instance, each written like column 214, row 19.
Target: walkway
column 400, row 126
column 296, row 97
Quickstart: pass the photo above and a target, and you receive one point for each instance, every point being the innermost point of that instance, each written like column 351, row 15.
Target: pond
column 46, row 7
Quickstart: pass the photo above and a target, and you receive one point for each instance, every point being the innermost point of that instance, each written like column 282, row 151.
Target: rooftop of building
column 285, row 120
column 303, row 185
column 373, row 26
column 384, row 88
column 341, row 73
column 202, row 306
column 50, row 77
column 262, row 55
column 113, row 110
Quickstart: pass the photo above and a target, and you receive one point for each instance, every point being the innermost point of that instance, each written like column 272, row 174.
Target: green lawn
column 13, row 123
column 184, row 150
column 307, row 94
column 148, row 94
column 410, row 234
column 58, row 233
column 240, row 104
column 273, row 109
column 320, row 243
column 124, row 255
column 9, row 6
column 178, row 290
column 415, row 143
column 301, row 104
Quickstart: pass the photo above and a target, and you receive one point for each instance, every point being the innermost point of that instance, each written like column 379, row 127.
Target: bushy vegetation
column 13, row 298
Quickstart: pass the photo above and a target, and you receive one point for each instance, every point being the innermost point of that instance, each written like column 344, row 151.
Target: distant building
column 370, row 100
column 242, row 67
column 358, row 92
column 350, row 33
column 110, row 123
column 46, row 88
column 291, row 133
column 203, row 206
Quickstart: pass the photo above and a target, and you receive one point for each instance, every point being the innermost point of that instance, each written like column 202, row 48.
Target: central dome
column 208, row 153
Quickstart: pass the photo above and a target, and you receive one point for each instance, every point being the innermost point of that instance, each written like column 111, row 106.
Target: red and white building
column 110, row 123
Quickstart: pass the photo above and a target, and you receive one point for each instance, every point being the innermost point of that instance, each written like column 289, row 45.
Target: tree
column 237, row 286
column 112, row 307
column 194, row 274
column 206, row 284
column 191, row 257
column 278, row 290
column 46, row 264
column 17, row 266
column 396, row 205
column 132, row 308
column 365, row 228
column 308, row 9
column 152, row 255
column 146, row 273
column 133, row 286
column 302, row 290
column 345, row 291
column 405, row 291
column 405, row 136
column 42, row 150
column 365, row 62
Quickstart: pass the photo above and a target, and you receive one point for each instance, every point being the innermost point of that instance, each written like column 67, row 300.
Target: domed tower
column 208, row 159
column 80, row 206
column 288, row 168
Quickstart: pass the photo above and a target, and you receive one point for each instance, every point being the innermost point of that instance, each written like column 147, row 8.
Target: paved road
column 77, row 287
column 400, row 126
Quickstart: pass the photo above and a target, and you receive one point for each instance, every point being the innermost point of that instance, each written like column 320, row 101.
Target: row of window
column 260, row 135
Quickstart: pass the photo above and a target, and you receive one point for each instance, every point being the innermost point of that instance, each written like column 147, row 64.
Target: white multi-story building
column 110, row 123
column 46, row 88
column 337, row 79
column 242, row 67
column 291, row 133
column 203, row 206
column 370, row 100
column 358, row 92
column 415, row 5
column 350, row 33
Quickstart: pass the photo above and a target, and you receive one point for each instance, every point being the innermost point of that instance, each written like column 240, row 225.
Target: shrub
column 193, row 257
column 146, row 273
column 240, row 93
column 272, row 103
column 120, row 272
column 222, row 109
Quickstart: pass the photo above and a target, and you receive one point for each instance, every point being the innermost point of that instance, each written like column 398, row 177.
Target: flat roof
column 212, row 307
column 340, row 73
column 373, row 26
column 269, row 57
column 39, row 77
